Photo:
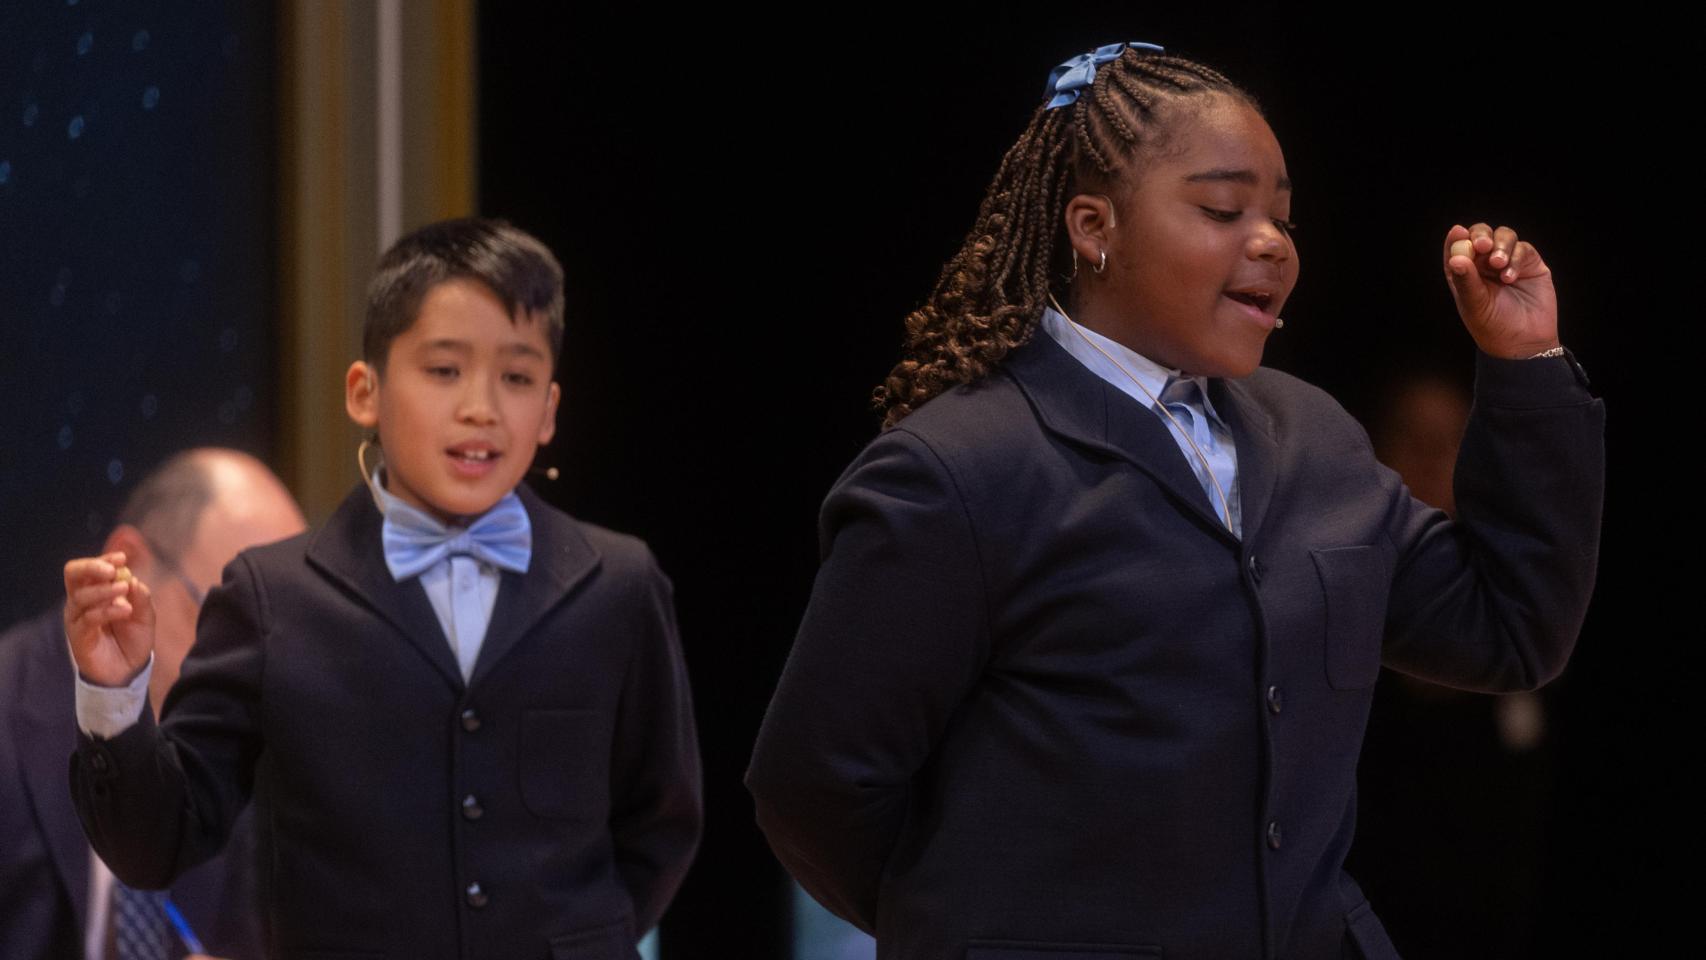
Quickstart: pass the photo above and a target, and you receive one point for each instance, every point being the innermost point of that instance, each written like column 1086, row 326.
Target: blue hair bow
column 1066, row 81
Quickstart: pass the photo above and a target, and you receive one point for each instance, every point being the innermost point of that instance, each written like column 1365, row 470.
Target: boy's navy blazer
column 1044, row 705
column 44, row 857
column 549, row 807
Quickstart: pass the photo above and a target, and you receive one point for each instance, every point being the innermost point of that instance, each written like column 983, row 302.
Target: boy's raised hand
column 109, row 619
column 1503, row 291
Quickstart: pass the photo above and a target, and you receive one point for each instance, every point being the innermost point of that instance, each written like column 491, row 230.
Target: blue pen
column 183, row 927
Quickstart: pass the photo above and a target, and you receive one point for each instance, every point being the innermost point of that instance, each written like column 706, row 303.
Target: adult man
column 178, row 529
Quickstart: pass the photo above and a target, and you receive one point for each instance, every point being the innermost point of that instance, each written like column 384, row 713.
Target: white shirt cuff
column 106, row 712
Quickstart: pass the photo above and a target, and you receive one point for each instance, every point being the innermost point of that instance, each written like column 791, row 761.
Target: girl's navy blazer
column 1043, row 703
column 548, row 807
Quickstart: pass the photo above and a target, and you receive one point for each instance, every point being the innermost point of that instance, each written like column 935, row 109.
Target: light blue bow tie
column 415, row 542
column 1066, row 81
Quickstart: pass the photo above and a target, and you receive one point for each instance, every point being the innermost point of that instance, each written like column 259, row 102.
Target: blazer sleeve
column 158, row 799
column 656, row 798
column 1494, row 600
column 895, row 636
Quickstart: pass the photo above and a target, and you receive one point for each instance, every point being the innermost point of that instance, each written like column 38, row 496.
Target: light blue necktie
column 1184, row 400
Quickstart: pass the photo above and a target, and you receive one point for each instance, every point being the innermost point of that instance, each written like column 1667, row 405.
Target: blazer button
column 1255, row 566
column 471, row 809
column 98, row 762
column 1274, row 834
column 1274, row 702
column 475, row 896
column 470, row 720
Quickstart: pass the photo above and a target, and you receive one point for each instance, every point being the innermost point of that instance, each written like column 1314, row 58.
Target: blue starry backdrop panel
column 137, row 259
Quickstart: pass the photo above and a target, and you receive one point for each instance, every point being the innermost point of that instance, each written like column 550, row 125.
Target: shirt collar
column 399, row 511
column 1077, row 339
column 396, row 510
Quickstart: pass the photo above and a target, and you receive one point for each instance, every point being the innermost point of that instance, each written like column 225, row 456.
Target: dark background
column 745, row 222
column 137, row 263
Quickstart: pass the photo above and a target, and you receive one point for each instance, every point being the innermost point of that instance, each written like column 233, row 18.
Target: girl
column 1087, row 664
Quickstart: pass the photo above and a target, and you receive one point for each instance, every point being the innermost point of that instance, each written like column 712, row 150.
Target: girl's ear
column 361, row 394
column 1089, row 223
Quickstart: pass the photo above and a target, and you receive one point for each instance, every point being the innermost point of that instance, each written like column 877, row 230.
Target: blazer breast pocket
column 1355, row 583
column 565, row 764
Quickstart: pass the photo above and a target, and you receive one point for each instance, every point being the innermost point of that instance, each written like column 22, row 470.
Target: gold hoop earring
column 1103, row 265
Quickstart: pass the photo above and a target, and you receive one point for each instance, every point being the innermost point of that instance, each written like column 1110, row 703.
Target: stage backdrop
column 136, row 259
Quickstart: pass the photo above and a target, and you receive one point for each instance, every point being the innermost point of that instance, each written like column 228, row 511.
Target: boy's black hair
column 991, row 293
column 513, row 263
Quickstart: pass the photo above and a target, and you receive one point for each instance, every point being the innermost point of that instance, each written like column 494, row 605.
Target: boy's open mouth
column 475, row 456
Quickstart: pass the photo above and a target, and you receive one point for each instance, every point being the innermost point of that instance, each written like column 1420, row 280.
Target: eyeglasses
column 170, row 564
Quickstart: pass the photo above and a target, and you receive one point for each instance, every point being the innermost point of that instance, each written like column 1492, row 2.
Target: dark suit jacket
column 44, row 858
column 1043, row 704
column 547, row 808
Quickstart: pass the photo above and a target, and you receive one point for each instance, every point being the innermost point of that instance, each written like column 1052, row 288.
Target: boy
column 462, row 713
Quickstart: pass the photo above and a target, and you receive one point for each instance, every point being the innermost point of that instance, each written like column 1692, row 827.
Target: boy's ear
column 548, row 425
column 361, row 394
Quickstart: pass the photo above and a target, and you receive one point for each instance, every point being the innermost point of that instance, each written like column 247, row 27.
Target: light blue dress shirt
column 462, row 590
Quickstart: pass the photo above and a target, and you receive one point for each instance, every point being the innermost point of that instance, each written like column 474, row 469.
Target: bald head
column 210, row 492
column 184, row 522
column 247, row 505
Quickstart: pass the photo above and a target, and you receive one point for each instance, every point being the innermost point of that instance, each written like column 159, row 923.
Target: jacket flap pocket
column 610, row 942
column 1043, row 950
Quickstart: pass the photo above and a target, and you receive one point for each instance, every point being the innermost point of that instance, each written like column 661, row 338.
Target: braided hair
column 991, row 293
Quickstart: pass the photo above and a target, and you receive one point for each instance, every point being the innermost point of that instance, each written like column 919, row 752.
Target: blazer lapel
column 562, row 557
column 1258, row 451
column 348, row 550
column 47, row 725
column 1075, row 403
